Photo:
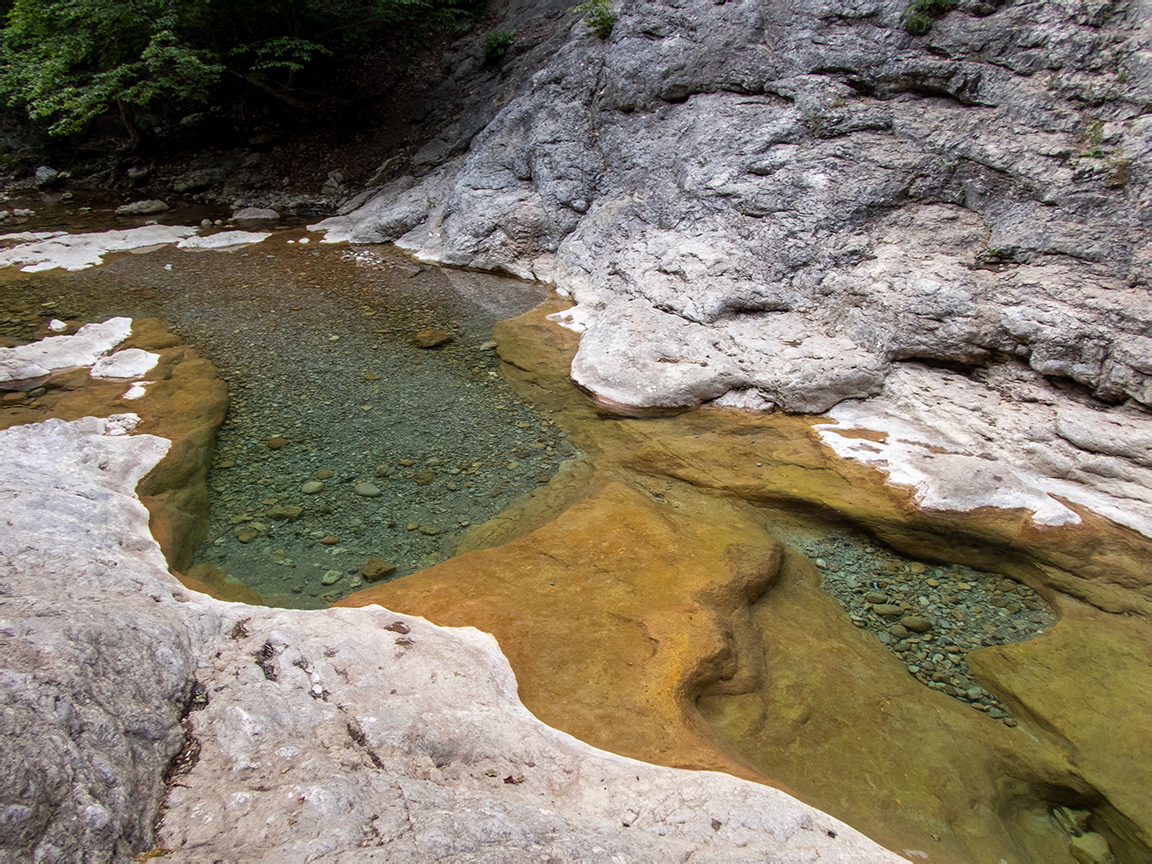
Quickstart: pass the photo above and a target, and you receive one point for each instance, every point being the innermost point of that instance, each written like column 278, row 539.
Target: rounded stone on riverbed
column 431, row 338
column 247, row 535
column 430, row 530
column 255, row 217
column 277, row 443
column 312, row 487
column 375, row 569
column 325, row 474
column 888, row 610
column 916, row 624
column 367, row 490
column 329, row 540
column 331, row 577
column 284, row 512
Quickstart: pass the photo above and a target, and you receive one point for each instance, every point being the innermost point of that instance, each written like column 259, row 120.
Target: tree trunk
column 129, row 123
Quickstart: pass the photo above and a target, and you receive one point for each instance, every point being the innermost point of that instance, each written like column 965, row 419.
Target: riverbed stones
column 284, row 512
column 916, row 624
column 331, row 577
column 431, row 338
column 255, row 217
column 277, row 443
column 376, row 569
column 366, row 490
column 312, row 487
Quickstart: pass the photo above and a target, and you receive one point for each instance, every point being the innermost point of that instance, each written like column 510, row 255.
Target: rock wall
column 272, row 735
column 814, row 194
column 783, row 205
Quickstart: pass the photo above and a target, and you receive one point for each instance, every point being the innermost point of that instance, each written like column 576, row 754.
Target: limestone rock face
column 350, row 734
column 801, row 196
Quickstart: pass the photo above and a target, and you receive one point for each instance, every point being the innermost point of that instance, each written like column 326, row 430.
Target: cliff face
column 792, row 197
column 790, row 205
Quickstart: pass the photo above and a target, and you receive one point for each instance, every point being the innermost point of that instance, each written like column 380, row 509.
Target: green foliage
column 69, row 61
column 599, row 16
column 496, row 45
column 920, row 14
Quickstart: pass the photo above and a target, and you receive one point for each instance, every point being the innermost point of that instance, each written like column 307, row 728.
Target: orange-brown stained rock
column 681, row 633
column 613, row 616
column 1088, row 682
column 211, row 580
column 817, row 706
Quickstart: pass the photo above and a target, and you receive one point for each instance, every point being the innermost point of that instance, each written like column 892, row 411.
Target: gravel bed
column 929, row 615
column 406, row 446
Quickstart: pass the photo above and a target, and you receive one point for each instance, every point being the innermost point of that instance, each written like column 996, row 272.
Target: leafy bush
column 599, row 16
column 496, row 45
column 920, row 14
column 68, row 61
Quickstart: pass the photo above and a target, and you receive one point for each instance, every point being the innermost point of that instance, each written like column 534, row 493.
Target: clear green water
column 316, row 344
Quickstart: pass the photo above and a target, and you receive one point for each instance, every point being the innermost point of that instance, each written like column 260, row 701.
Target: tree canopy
column 68, row 61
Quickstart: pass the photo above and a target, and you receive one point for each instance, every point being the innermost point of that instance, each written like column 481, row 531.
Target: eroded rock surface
column 814, row 193
column 355, row 734
column 1007, row 438
column 777, row 206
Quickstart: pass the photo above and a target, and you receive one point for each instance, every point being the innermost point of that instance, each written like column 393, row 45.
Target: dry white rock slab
column 347, row 734
column 39, row 359
column 1011, row 441
column 223, row 240
column 125, row 365
column 80, row 251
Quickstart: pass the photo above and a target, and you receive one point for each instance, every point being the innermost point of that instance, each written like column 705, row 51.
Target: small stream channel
column 345, row 442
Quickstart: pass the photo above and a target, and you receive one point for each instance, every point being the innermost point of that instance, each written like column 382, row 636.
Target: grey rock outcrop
column 255, row 217
column 47, row 177
column 808, row 186
column 142, row 208
column 277, row 735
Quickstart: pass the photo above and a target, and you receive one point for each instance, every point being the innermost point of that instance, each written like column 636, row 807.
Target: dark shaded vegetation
column 496, row 45
column 133, row 74
column 920, row 15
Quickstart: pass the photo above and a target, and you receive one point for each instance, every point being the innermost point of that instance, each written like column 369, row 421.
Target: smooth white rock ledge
column 344, row 734
column 224, row 240
column 577, row 318
column 28, row 236
column 124, row 365
column 1013, row 441
column 57, row 353
column 79, row 251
